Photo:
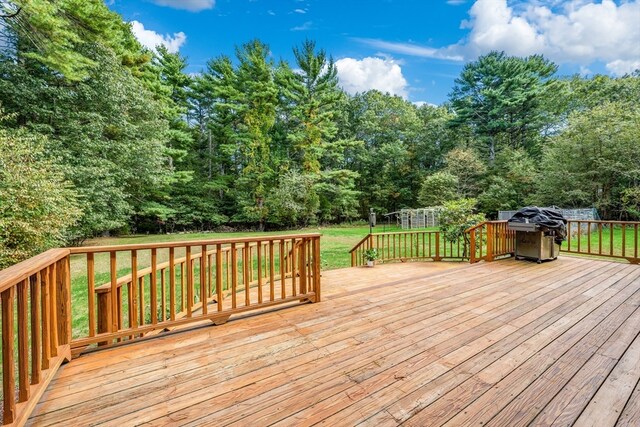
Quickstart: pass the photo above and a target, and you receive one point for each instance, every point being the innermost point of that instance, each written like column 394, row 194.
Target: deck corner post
column 316, row 269
column 63, row 298
column 490, row 237
column 104, row 314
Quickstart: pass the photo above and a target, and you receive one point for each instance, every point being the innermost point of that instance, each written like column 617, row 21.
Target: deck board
column 502, row 343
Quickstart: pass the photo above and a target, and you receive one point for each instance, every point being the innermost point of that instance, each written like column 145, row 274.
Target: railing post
column 490, row 237
column 63, row 297
column 104, row 313
column 8, row 369
column 316, row 269
column 472, row 246
column 437, row 257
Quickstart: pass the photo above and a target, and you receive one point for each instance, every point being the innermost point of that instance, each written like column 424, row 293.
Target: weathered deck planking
column 502, row 343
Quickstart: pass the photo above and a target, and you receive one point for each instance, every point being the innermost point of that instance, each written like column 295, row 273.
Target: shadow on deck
column 502, row 343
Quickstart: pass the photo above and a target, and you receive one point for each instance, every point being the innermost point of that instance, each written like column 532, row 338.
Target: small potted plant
column 370, row 255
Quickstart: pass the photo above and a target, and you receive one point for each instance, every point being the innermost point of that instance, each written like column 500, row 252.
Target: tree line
column 101, row 135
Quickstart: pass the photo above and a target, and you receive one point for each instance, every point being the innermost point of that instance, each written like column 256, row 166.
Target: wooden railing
column 490, row 240
column 36, row 329
column 609, row 239
column 408, row 246
column 122, row 293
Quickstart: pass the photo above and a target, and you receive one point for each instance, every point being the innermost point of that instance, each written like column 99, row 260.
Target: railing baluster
column 259, row 272
column 219, row 275
column 283, row 292
column 23, row 341
column 272, row 268
column 163, row 294
column 45, row 304
column 143, row 319
column 91, row 293
column 635, row 241
column 204, row 288
column 172, row 284
column 153, row 290
column 36, row 337
column 293, row 267
column 247, row 266
column 189, row 281
column 234, row 275
column 133, row 290
column 8, row 369
column 53, row 310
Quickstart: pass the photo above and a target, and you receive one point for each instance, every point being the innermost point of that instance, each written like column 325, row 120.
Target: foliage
column 294, row 200
column 53, row 32
column 370, row 254
column 501, row 99
column 594, row 160
column 37, row 205
column 437, row 189
column 255, row 143
column 631, row 202
column 466, row 166
column 456, row 217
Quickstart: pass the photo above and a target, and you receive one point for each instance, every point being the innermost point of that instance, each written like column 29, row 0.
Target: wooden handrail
column 19, row 272
column 360, row 243
column 165, row 245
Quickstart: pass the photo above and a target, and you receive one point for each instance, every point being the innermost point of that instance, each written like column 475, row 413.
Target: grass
column 606, row 240
column 336, row 241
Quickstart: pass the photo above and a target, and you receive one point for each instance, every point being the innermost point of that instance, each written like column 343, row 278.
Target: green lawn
column 336, row 241
column 605, row 240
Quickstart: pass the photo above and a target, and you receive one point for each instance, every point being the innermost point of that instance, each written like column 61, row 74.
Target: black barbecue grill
column 539, row 233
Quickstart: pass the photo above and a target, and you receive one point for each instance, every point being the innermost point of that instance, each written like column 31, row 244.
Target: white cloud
column 302, row 11
column 304, row 27
column 409, row 49
column 190, row 5
column 456, row 2
column 620, row 67
column 369, row 73
column 422, row 103
column 576, row 31
column 579, row 32
column 151, row 39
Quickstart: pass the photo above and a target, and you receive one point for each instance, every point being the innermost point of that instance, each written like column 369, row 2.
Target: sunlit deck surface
column 506, row 343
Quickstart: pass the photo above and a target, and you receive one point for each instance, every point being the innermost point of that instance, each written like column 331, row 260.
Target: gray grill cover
column 548, row 220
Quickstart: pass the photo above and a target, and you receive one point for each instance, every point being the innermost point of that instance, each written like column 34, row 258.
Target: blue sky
column 413, row 48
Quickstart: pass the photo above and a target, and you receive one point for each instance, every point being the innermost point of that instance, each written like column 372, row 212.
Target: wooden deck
column 506, row 343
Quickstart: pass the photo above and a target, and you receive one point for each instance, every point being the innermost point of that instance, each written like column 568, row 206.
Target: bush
column 37, row 206
column 457, row 216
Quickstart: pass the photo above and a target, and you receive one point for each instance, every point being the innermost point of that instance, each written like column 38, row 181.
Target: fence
column 419, row 218
column 122, row 293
